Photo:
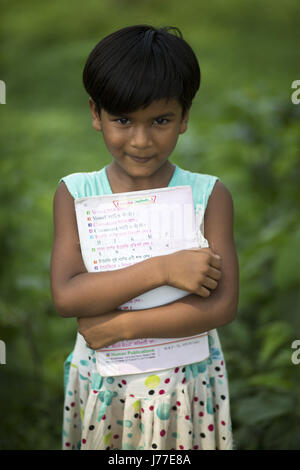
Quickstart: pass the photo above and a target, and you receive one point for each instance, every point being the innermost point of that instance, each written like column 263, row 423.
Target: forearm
column 188, row 316
column 93, row 294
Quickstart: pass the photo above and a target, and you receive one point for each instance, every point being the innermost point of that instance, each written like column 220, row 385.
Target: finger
column 203, row 292
column 216, row 261
column 210, row 283
column 214, row 273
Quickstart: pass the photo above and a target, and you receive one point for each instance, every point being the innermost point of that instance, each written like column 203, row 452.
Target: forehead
column 157, row 108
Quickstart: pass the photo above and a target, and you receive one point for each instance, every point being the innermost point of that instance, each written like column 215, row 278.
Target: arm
column 192, row 314
column 77, row 293
column 185, row 317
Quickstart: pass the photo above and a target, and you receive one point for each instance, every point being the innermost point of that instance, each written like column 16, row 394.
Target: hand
column 103, row 330
column 196, row 270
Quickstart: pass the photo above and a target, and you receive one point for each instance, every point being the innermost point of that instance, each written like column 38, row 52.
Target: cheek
column 166, row 138
column 170, row 139
column 113, row 140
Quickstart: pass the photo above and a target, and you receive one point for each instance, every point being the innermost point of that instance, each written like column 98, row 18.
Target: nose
column 140, row 137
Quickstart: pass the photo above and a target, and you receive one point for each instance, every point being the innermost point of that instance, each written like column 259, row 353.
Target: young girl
column 141, row 82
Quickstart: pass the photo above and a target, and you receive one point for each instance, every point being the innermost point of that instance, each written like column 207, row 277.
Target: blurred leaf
column 286, row 267
column 264, row 407
column 271, row 380
column 273, row 336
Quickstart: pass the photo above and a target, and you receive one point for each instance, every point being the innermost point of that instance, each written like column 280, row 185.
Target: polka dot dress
column 185, row 408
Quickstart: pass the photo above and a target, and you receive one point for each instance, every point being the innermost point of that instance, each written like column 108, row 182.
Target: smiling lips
column 140, row 159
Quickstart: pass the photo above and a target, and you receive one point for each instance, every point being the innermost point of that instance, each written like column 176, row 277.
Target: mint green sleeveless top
column 96, row 183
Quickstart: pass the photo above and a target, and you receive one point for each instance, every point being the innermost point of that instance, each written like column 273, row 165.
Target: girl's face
column 142, row 141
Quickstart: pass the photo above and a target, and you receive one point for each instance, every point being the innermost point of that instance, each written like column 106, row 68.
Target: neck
column 121, row 182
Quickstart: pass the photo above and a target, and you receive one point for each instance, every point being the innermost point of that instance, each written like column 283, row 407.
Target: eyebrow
column 164, row 115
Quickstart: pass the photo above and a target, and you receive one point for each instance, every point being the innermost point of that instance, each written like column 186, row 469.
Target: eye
column 123, row 121
column 161, row 121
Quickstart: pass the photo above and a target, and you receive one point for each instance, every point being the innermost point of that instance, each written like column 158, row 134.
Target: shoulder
column 220, row 193
column 62, row 192
column 84, row 184
column 69, row 184
column 202, row 185
column 199, row 180
column 63, row 204
column 220, row 209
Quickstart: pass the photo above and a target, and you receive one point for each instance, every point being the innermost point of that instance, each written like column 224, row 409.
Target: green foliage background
column 243, row 128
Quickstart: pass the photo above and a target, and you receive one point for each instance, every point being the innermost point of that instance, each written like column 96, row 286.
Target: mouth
column 141, row 159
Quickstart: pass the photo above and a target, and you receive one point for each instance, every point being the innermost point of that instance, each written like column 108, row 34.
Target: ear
column 96, row 120
column 184, row 122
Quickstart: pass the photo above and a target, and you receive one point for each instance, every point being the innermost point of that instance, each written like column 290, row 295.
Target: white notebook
column 118, row 230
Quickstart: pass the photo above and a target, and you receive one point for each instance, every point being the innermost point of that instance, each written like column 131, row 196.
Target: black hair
column 136, row 65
